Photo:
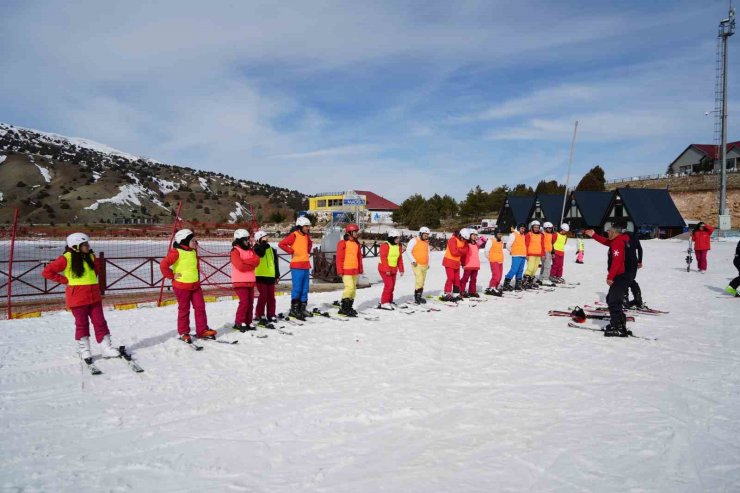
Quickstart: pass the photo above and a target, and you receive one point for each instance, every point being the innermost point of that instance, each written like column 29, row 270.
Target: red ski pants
column 471, row 275
column 83, row 315
column 389, row 284
column 497, row 271
column 246, row 305
column 453, row 279
column 266, row 298
column 557, row 265
column 186, row 297
column 701, row 259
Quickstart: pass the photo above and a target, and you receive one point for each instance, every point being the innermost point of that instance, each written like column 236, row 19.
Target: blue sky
column 399, row 97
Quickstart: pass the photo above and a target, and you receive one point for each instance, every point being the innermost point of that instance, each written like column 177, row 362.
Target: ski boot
column 386, row 306
column 447, row 297
column 353, row 312
column 507, row 285
column 108, row 350
column 496, row 292
column 346, row 309
column 186, row 338
column 83, row 347
column 302, row 307
column 473, row 295
column 295, row 310
column 526, row 284
column 244, row 327
column 732, row 291
column 207, row 334
column 518, row 285
column 464, row 294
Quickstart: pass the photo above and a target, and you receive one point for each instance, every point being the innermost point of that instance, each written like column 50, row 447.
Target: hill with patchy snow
column 57, row 179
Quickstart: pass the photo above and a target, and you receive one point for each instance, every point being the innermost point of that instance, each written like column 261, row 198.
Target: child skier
column 418, row 254
column 517, row 247
column 735, row 283
column 549, row 237
column 495, row 255
column 390, row 263
column 535, row 242
column 82, row 294
column 558, row 254
column 298, row 244
column 471, row 265
column 580, row 251
column 349, row 267
column 457, row 248
column 702, row 245
column 181, row 266
column 267, row 276
column 243, row 278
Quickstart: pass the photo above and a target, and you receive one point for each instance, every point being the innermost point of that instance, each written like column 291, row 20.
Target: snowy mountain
column 55, row 179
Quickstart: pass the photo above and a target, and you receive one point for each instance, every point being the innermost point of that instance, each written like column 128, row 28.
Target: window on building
column 335, row 202
column 731, row 163
column 321, row 203
column 618, row 210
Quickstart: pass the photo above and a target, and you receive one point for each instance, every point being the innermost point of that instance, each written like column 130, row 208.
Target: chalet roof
column 521, row 207
column 650, row 206
column 377, row 203
column 552, row 207
column 593, row 205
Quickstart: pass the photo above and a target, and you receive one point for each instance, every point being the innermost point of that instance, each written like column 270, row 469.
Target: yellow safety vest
column 88, row 277
column 393, row 253
column 187, row 266
column 560, row 243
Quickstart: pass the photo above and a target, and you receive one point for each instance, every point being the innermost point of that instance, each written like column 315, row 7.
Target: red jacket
column 617, row 253
column 165, row 266
column 286, row 246
column 341, row 251
column 383, row 265
column 457, row 252
column 701, row 238
column 74, row 295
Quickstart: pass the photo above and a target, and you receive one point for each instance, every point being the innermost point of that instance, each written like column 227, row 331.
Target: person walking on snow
column 181, row 266
column 456, row 250
column 549, row 237
column 580, row 251
column 495, row 254
column 735, row 283
column 267, row 276
column 558, row 254
column 620, row 264
column 517, row 247
column 535, row 242
column 349, row 267
column 636, row 247
column 76, row 269
column 243, row 278
column 701, row 236
column 298, row 244
column 471, row 264
column 418, row 254
column 391, row 262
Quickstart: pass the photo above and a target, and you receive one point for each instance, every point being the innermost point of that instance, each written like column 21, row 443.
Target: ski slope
column 497, row 397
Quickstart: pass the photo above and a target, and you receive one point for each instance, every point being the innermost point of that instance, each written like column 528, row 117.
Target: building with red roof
column 372, row 207
column 698, row 158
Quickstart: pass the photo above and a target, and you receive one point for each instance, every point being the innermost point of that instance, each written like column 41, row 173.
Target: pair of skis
column 589, row 315
column 601, row 329
column 125, row 356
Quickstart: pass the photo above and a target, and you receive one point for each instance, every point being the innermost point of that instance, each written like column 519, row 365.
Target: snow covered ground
column 499, row 397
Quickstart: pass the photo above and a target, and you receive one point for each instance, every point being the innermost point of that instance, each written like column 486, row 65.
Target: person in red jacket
column 243, row 278
column 181, row 266
column 457, row 250
column 621, row 262
column 79, row 274
column 701, row 236
column 349, row 267
column 390, row 263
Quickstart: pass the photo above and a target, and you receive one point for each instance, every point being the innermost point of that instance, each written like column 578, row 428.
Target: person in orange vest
column 298, row 244
column 349, row 267
column 243, row 278
column 471, row 265
column 418, row 254
column 495, row 254
column 535, row 242
column 390, row 263
column 550, row 238
column 517, row 246
column 79, row 274
column 457, row 248
column 181, row 266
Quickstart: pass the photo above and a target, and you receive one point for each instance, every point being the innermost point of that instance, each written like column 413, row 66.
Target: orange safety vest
column 350, row 255
column 519, row 247
column 548, row 242
column 420, row 253
column 535, row 244
column 300, row 248
column 496, row 253
column 448, row 254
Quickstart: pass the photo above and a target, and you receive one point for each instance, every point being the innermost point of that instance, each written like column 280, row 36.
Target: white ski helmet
column 241, row 233
column 565, row 227
column 76, row 239
column 547, row 224
column 423, row 230
column 303, row 221
column 182, row 234
column 534, row 223
column 465, row 233
column 394, row 234
column 259, row 235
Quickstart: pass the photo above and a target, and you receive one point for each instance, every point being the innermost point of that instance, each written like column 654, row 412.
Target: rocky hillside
column 54, row 180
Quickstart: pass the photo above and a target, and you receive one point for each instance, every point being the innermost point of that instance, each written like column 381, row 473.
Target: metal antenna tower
column 725, row 30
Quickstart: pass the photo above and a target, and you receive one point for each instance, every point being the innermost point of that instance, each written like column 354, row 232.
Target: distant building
column 698, row 158
column 586, row 209
column 371, row 207
column 547, row 207
column 648, row 211
column 516, row 210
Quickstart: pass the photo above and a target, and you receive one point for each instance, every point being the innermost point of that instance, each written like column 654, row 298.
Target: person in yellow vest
column 82, row 293
column 547, row 259
column 581, row 250
column 517, row 246
column 390, row 263
column 558, row 254
column 349, row 267
column 268, row 276
column 495, row 254
column 418, row 254
column 181, row 266
column 535, row 242
column 298, row 244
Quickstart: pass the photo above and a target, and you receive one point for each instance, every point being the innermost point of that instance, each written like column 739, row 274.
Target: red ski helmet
column 352, row 227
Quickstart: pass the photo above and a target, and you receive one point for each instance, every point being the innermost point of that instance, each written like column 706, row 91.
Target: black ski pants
column 635, row 288
column 735, row 283
column 615, row 298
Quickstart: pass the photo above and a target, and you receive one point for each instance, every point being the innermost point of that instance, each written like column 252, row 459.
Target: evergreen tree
column 593, row 180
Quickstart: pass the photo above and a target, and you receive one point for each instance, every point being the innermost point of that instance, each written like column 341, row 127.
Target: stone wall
column 697, row 197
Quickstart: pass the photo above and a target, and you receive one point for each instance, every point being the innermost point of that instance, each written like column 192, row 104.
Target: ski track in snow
column 499, row 397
